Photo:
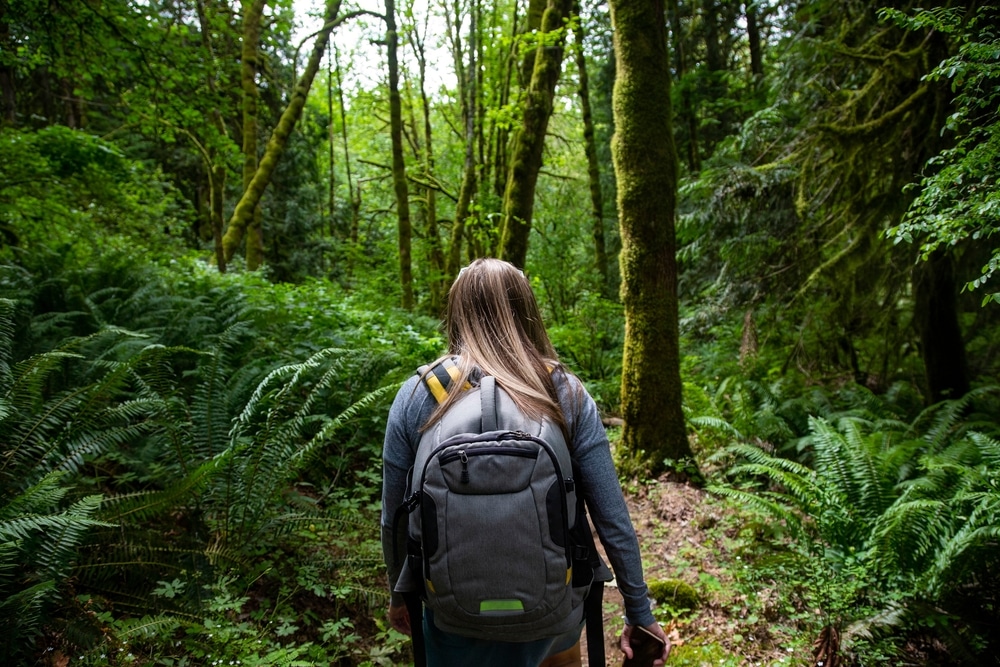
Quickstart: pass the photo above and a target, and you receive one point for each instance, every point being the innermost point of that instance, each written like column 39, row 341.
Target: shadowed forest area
column 762, row 233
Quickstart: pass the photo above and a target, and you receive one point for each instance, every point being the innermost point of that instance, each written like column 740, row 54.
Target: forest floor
column 685, row 533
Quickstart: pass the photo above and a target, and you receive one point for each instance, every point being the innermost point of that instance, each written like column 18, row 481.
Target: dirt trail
column 680, row 537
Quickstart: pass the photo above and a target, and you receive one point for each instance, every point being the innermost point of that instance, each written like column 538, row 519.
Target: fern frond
column 776, row 509
column 716, row 424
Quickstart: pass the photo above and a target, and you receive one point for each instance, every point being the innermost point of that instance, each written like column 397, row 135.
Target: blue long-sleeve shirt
column 591, row 455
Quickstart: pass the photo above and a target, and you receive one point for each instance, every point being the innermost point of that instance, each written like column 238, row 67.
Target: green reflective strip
column 487, row 606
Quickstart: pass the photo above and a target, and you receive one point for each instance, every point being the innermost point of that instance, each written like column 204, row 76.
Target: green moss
column 697, row 655
column 674, row 594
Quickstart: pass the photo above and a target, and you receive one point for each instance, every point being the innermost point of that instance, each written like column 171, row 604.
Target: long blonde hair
column 495, row 327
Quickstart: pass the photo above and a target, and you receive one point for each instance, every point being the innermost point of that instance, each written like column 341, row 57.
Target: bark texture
column 243, row 214
column 590, row 148
column 526, row 156
column 404, row 226
column 645, row 164
column 253, row 10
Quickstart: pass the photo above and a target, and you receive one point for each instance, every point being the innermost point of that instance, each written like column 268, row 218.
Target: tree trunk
column 243, row 214
column 499, row 140
column 645, row 163
column 330, row 137
column 687, row 115
column 216, row 167
column 936, row 316
column 469, row 180
column 8, row 96
column 405, row 230
column 532, row 22
column 354, row 197
column 218, row 202
column 753, row 36
column 590, row 148
column 253, row 10
column 526, row 157
column 435, row 253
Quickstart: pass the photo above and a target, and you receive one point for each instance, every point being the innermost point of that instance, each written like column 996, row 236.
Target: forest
column 761, row 233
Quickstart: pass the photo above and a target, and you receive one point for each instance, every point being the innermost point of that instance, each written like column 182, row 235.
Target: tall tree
column 243, row 214
column 435, row 254
column 253, row 11
column 526, row 156
column 467, row 80
column 590, row 149
column 645, row 163
column 404, row 226
column 215, row 164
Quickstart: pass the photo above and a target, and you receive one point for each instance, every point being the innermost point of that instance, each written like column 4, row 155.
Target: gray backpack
column 500, row 548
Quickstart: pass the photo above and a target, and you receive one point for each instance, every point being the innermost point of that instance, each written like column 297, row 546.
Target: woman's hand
column 654, row 628
column 399, row 618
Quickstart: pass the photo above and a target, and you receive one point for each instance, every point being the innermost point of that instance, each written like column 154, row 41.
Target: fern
column 38, row 544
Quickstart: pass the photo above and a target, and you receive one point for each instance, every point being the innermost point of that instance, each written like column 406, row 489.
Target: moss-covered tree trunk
column 526, row 156
column 404, row 227
column 590, row 148
column 645, row 164
column 244, row 212
column 253, row 10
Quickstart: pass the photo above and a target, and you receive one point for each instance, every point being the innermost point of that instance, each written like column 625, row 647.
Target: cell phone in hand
column 646, row 647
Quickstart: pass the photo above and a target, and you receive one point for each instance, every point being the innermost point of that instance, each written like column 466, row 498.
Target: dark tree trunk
column 753, row 36
column 8, row 95
column 400, row 187
column 646, row 167
column 936, row 316
column 687, row 114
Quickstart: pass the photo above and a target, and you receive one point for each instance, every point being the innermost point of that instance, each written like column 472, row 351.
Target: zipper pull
column 464, row 458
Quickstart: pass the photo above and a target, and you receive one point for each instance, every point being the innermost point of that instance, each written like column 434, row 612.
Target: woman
column 495, row 328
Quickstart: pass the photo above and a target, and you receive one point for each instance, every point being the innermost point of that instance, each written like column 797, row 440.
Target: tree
column 253, row 11
column 590, row 149
column 645, row 162
column 244, row 211
column 404, row 228
column 959, row 193
column 526, row 156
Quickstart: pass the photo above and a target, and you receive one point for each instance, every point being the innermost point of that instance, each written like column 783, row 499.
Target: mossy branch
column 864, row 130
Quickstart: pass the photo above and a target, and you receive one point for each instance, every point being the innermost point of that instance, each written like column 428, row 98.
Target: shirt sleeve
column 605, row 501
column 409, row 410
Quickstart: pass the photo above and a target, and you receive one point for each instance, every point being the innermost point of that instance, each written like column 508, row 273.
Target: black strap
column 415, row 608
column 594, row 613
column 488, row 395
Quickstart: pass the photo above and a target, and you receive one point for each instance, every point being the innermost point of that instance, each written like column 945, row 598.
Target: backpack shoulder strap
column 488, row 396
column 439, row 377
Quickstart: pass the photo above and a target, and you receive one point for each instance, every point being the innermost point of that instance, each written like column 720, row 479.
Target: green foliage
column 172, row 395
column 66, row 190
column 886, row 519
column 40, row 538
column 958, row 198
